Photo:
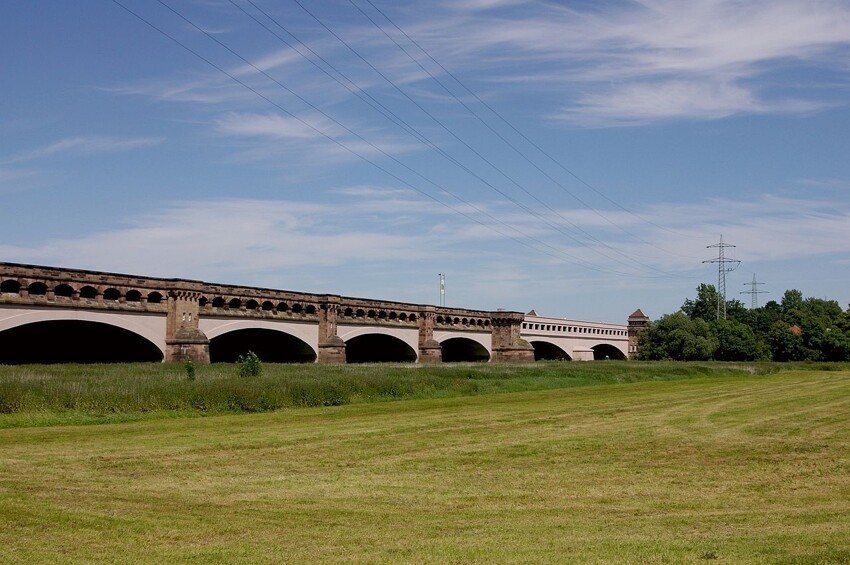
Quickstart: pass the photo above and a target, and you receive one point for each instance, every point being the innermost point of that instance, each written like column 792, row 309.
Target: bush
column 189, row 366
column 249, row 365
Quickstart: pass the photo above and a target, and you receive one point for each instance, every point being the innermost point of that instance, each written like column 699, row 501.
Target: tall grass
column 46, row 394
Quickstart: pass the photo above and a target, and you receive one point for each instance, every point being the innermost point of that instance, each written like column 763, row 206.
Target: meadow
column 707, row 463
column 67, row 393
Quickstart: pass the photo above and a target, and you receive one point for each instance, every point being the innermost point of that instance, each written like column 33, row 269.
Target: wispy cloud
column 626, row 63
column 91, row 145
column 386, row 242
column 312, row 136
column 252, row 239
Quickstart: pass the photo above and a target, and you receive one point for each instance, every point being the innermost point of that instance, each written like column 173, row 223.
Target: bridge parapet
column 42, row 286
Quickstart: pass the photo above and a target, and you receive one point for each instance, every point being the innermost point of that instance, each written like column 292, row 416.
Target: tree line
column 794, row 329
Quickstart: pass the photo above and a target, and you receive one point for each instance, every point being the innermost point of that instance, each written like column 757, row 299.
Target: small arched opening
column 112, row 294
column 88, row 292
column 154, row 297
column 218, row 302
column 545, row 351
column 63, row 290
column 133, row 296
column 10, row 286
column 270, row 346
column 37, row 289
column 606, row 351
column 459, row 349
column 74, row 341
column 378, row 348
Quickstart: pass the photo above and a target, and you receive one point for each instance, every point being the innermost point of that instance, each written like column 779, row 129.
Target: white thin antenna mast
column 722, row 269
column 442, row 289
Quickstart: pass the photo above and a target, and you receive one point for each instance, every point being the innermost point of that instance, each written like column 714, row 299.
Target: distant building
column 637, row 323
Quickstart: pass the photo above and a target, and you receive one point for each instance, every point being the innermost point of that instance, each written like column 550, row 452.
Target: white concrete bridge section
column 578, row 340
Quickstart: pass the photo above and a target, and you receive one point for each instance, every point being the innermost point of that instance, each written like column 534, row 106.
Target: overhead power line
column 394, row 118
column 552, row 251
column 478, row 154
column 504, row 120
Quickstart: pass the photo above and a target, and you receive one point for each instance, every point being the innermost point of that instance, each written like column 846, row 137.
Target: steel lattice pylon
column 722, row 269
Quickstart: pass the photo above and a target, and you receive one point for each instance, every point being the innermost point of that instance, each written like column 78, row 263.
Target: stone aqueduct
column 54, row 314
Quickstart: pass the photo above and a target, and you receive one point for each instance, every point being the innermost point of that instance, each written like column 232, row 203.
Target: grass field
column 33, row 395
column 751, row 468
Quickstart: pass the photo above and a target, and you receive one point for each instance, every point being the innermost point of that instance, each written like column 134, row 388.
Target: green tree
column 785, row 345
column 677, row 337
column 737, row 342
column 704, row 306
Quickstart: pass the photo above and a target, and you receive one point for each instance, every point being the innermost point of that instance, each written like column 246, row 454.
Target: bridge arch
column 378, row 348
column 459, row 349
column 149, row 327
column 270, row 345
column 79, row 337
column 607, row 351
column 548, row 351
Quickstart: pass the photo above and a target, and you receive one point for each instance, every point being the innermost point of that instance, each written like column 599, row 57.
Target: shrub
column 189, row 366
column 249, row 365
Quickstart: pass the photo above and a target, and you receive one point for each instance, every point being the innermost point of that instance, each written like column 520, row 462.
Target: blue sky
column 355, row 163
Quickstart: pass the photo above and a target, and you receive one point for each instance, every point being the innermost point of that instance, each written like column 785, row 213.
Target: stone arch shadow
column 271, row 346
column 75, row 341
column 462, row 349
column 378, row 348
column 545, row 351
column 604, row 351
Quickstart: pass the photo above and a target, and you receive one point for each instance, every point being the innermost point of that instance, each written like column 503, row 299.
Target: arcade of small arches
column 75, row 292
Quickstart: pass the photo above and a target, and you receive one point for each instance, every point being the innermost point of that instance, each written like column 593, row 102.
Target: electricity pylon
column 754, row 292
column 722, row 269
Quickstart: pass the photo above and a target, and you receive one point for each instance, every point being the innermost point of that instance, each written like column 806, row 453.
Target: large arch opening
column 271, row 346
column 545, row 351
column 74, row 341
column 378, row 348
column 606, row 351
column 458, row 349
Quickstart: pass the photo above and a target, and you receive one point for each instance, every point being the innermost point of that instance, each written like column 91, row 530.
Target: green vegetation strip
column 739, row 469
column 32, row 395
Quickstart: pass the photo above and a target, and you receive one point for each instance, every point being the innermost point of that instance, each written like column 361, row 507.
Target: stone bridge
column 57, row 315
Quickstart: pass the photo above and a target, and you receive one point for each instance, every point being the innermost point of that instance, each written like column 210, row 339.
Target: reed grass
column 60, row 394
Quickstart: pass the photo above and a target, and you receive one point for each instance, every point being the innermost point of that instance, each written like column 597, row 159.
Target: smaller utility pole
column 442, row 289
column 754, row 292
column 722, row 269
